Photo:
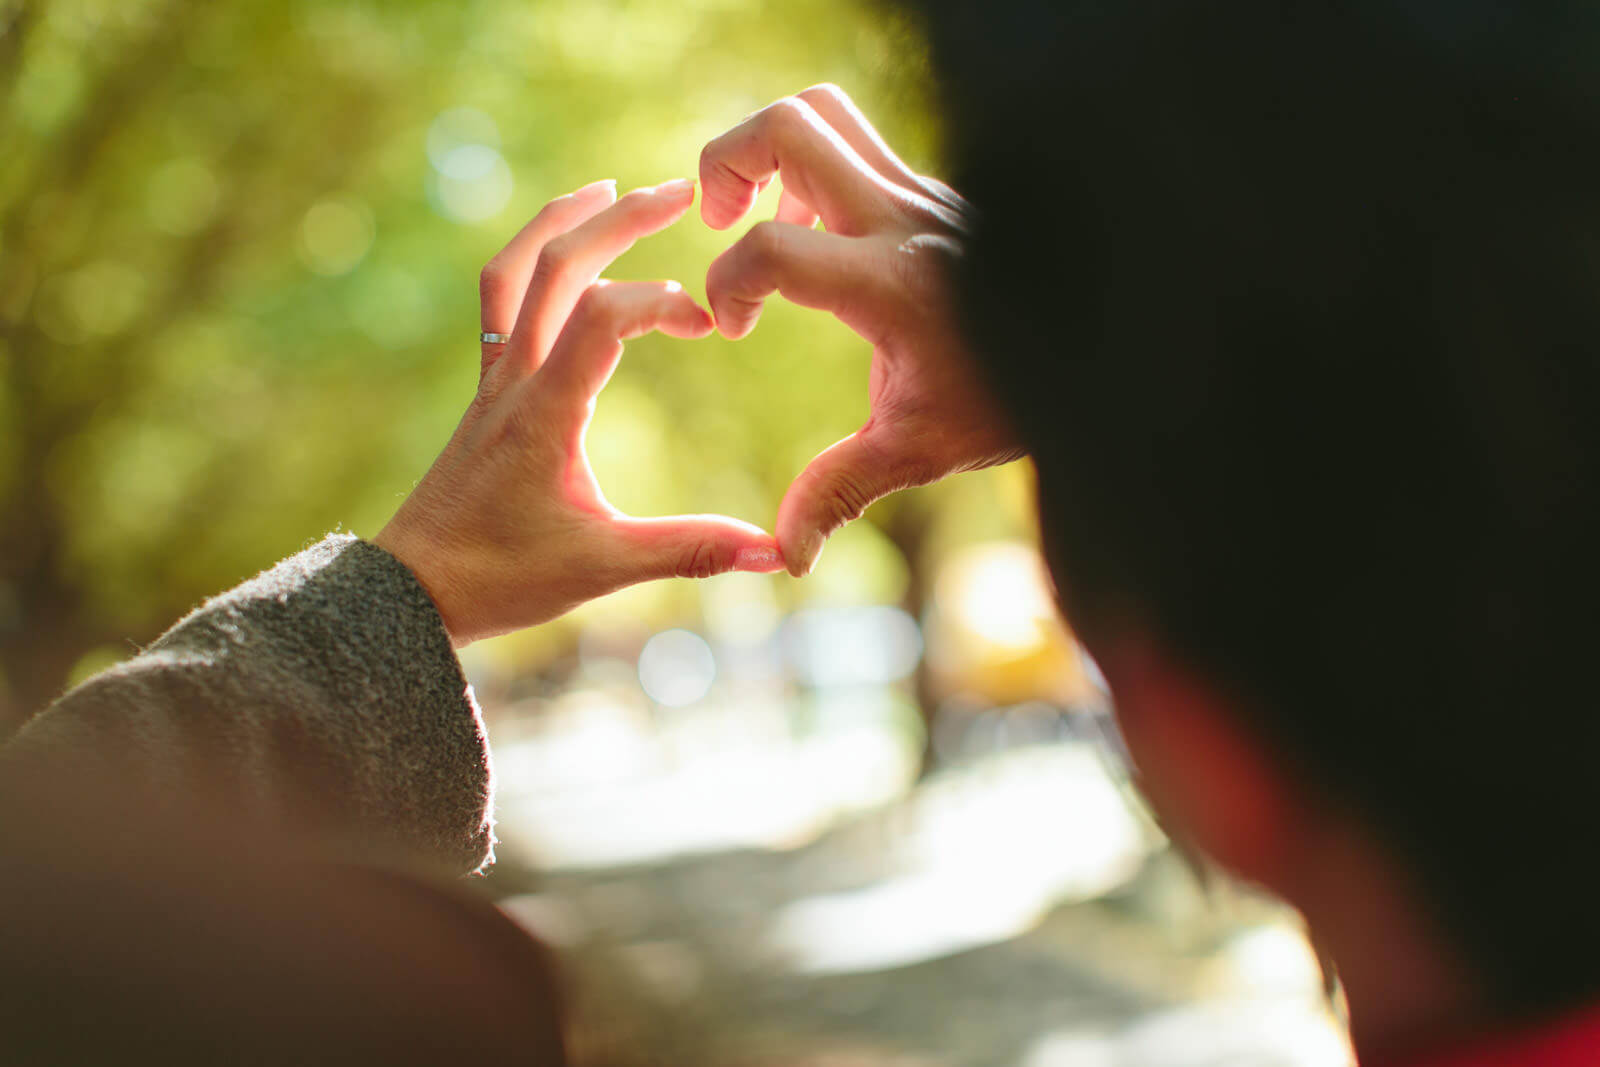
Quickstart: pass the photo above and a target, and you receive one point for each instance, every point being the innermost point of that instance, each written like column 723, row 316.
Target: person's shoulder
column 132, row 934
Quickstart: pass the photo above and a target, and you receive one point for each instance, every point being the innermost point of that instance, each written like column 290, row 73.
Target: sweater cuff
column 351, row 619
column 322, row 694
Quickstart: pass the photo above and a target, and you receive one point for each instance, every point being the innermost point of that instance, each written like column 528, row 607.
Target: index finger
column 506, row 276
column 844, row 275
column 504, row 281
column 816, row 162
column 570, row 263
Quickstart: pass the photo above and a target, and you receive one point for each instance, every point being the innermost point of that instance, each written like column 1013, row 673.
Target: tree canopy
column 239, row 245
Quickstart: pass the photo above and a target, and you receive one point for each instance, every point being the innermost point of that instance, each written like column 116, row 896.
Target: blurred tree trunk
column 49, row 615
column 38, row 659
column 908, row 526
column 43, row 626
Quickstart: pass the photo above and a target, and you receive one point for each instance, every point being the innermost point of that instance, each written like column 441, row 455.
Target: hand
column 881, row 267
column 509, row 527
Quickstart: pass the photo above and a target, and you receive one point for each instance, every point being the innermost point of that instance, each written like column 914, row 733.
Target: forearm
column 322, row 695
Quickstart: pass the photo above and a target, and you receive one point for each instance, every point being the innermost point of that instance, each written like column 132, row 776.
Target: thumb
column 692, row 546
column 835, row 488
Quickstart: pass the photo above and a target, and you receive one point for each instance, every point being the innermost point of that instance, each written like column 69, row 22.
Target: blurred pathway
column 1013, row 911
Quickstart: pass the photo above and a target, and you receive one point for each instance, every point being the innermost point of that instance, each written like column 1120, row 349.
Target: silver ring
column 494, row 338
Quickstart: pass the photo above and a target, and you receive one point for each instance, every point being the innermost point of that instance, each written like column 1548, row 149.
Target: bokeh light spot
column 475, row 185
column 97, row 300
column 459, row 127
column 471, row 180
column 676, row 668
column 335, row 235
column 181, row 196
column 870, row 645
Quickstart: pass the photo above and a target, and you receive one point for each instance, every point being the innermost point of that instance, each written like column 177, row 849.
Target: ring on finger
column 493, row 338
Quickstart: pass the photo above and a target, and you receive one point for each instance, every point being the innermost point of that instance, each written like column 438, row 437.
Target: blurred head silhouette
column 1298, row 309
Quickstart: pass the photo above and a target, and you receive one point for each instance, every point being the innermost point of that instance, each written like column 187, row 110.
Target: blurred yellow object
column 993, row 631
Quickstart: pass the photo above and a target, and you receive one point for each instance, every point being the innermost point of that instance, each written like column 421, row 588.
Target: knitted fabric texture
column 321, row 695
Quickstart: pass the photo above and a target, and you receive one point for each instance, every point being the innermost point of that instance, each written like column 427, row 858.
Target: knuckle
column 851, row 502
column 712, row 165
column 491, row 280
column 518, row 420
column 596, row 307
column 555, row 256
column 922, row 264
column 552, row 207
column 845, row 499
column 789, row 115
column 635, row 200
column 700, row 561
column 823, row 92
column 766, row 239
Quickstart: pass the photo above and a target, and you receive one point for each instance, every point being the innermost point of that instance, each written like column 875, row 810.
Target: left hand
column 509, row 527
column 883, row 269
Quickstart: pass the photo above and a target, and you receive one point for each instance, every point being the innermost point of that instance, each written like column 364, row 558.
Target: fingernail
column 762, row 560
column 810, row 552
column 607, row 184
column 676, row 187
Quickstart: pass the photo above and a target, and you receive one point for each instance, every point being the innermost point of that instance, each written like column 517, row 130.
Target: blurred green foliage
column 239, row 244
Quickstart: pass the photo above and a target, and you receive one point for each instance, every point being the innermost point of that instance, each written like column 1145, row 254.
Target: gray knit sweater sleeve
column 322, row 695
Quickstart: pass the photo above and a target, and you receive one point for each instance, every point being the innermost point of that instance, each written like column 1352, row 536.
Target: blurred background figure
column 880, row 813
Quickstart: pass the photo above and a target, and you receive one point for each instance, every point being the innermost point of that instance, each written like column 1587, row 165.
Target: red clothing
column 1573, row 1041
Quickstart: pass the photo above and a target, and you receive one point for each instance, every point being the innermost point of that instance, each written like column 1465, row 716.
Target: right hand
column 882, row 267
column 509, row 527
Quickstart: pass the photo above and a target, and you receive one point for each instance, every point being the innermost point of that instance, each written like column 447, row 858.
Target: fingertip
column 721, row 209
column 677, row 188
column 688, row 320
column 758, row 559
column 652, row 208
column 810, row 551
column 684, row 317
column 733, row 326
column 798, row 535
column 731, row 332
column 677, row 209
column 714, row 215
column 605, row 187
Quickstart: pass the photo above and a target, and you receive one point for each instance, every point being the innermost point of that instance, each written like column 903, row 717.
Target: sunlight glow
column 993, row 629
column 711, row 791
column 470, row 179
column 1293, row 1032
column 994, row 847
column 1000, row 593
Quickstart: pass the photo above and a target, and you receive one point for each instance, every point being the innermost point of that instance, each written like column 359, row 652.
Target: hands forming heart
column 509, row 527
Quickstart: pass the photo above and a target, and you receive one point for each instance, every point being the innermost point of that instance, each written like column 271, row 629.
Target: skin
column 508, row 529
column 1219, row 787
column 881, row 268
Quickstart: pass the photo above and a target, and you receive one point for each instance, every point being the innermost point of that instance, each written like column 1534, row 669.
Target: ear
column 1207, row 776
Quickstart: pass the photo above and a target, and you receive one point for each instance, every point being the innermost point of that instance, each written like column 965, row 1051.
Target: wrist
column 423, row 561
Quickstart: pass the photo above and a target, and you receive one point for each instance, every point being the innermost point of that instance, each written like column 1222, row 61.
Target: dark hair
column 1297, row 307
